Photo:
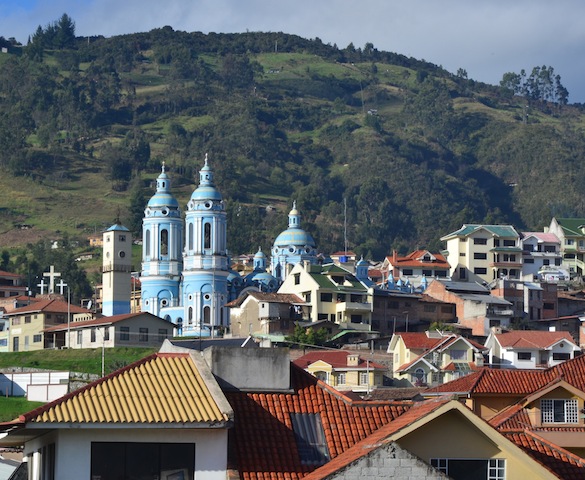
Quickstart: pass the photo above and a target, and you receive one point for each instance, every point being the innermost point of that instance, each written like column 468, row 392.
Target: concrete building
column 483, row 253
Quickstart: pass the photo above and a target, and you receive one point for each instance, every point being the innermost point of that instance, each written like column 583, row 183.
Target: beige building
column 483, row 253
column 331, row 293
column 27, row 324
column 125, row 330
column 343, row 369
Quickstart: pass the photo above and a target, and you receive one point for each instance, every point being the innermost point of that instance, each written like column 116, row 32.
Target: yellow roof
column 161, row 388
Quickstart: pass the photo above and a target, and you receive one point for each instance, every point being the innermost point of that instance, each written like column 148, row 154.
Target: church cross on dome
column 163, row 167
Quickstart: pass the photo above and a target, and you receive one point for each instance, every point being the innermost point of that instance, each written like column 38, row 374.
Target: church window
column 164, row 241
column 190, row 319
column 147, row 242
column 122, row 238
column 190, row 236
column 206, row 315
column 207, row 235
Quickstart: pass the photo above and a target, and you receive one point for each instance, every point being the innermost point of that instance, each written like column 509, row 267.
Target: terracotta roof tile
column 532, row 338
column 336, row 358
column 263, row 438
column 558, row 460
column 51, row 306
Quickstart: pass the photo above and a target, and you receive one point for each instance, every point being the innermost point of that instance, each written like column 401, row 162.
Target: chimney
column 394, row 256
column 353, row 360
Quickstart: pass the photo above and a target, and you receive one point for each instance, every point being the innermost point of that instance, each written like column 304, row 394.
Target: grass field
column 86, row 360
column 12, row 407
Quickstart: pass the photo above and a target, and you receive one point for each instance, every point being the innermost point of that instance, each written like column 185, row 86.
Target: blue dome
column 163, row 196
column 206, row 189
column 294, row 235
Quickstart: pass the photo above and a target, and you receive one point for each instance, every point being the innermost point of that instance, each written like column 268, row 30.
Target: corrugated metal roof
column 161, row 388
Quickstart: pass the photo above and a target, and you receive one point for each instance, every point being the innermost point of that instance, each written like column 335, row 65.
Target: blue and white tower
column 162, row 251
column 205, row 267
column 292, row 246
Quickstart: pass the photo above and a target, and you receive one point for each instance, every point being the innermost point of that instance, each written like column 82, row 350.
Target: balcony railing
column 353, row 307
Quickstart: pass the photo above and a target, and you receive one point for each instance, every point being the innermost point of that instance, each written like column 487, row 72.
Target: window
column 559, row 410
column 308, row 297
column 16, row 321
column 480, row 256
column 297, row 277
column 326, row 297
column 47, row 454
column 407, row 271
column 509, row 243
column 113, row 460
column 524, row 356
column 164, row 242
column 546, row 261
column 92, row 336
column 79, row 337
column 561, row 356
column 37, row 338
column 163, row 333
column 548, row 306
column 462, row 273
column 122, row 238
column 427, row 273
column 143, row 334
column 418, row 376
column 106, row 334
column 458, row 354
column 341, row 379
column 124, row 334
column 364, row 378
column 480, row 241
column 341, row 297
column 207, row 235
column 310, row 438
column 27, row 319
column 463, row 469
column 480, row 271
column 429, row 308
column 529, row 260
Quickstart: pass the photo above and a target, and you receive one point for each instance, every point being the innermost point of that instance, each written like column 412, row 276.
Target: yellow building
column 344, row 370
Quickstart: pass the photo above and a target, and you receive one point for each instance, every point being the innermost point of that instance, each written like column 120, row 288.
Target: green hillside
column 413, row 150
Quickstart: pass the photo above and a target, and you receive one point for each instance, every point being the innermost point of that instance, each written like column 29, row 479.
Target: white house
column 530, row 348
column 162, row 417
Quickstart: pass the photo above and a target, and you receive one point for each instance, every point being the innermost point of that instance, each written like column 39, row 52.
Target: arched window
column 147, row 243
column 207, row 235
column 190, row 316
column 164, row 242
column 419, row 376
column 207, row 315
column 190, row 233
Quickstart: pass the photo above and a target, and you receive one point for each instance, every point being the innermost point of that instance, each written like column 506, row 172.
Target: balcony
column 500, row 312
column 358, row 307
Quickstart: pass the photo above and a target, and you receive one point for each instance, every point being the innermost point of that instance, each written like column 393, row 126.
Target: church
column 186, row 276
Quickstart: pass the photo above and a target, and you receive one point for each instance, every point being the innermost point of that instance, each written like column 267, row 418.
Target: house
column 528, row 405
column 474, row 450
column 11, row 285
column 331, row 293
column 433, row 357
column 345, row 259
column 571, row 234
column 161, row 417
column 264, row 313
column 416, row 264
column 343, row 369
column 126, row 330
column 530, row 300
column 28, row 323
column 476, row 308
column 529, row 348
column 482, row 253
column 541, row 253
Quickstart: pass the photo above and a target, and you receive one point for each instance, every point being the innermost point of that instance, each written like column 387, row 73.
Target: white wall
column 73, row 448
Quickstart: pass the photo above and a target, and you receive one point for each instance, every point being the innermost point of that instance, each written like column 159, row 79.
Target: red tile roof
column 419, row 340
column 337, row 359
column 49, row 306
column 103, row 321
column 378, row 438
column 263, row 443
column 561, row 462
column 414, row 260
column 532, row 338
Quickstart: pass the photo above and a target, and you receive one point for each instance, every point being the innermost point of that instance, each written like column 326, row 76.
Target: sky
column 487, row 38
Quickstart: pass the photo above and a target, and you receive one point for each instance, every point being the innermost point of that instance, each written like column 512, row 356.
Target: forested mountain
column 397, row 149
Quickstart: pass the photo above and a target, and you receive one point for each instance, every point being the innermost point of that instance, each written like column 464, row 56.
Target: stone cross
column 52, row 274
column 61, row 286
column 42, row 285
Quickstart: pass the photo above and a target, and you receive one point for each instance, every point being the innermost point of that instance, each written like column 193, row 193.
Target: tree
column 65, row 32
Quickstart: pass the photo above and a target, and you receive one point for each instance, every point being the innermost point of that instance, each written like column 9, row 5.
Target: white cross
column 42, row 285
column 52, row 274
column 61, row 285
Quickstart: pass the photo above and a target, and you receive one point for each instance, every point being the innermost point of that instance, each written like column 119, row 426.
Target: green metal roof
column 572, row 226
column 322, row 275
column 495, row 230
